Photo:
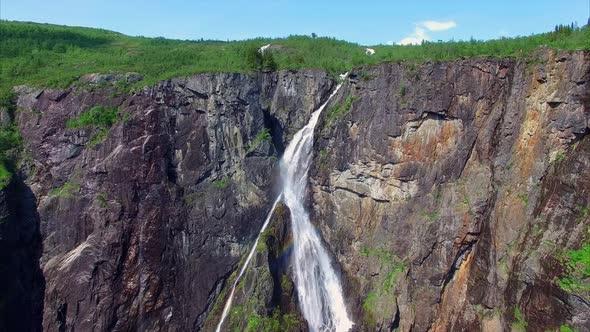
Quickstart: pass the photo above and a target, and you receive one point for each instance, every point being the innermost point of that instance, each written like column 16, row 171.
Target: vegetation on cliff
column 52, row 55
column 56, row 56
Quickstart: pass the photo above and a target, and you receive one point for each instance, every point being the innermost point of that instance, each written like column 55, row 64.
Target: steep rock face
column 21, row 295
column 450, row 192
column 143, row 222
column 264, row 299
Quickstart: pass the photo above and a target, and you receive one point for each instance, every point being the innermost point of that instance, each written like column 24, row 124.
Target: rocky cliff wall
column 143, row 222
column 450, row 195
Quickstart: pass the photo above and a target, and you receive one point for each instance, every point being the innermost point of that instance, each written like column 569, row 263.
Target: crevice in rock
column 276, row 131
column 62, row 313
column 464, row 250
column 361, row 195
column 396, row 320
column 211, row 299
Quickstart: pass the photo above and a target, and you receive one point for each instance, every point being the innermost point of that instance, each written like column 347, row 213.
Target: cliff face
column 449, row 194
column 141, row 229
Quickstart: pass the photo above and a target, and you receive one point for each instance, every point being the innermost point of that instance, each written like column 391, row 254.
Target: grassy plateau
column 48, row 55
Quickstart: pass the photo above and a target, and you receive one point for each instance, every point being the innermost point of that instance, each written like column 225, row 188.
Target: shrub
column 262, row 136
column 577, row 264
column 221, row 183
column 97, row 116
column 253, row 58
column 66, row 191
column 520, row 324
column 268, row 62
column 340, row 110
column 55, row 56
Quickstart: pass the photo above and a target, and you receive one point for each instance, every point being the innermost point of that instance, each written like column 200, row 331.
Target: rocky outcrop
column 144, row 220
column 264, row 299
column 451, row 195
column 450, row 192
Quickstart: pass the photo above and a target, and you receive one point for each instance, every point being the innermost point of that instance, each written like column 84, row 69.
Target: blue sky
column 365, row 22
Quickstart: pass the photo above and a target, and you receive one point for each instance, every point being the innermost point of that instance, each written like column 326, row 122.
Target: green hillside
column 56, row 56
column 52, row 55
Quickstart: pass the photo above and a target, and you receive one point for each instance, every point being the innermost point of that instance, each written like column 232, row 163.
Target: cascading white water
column 245, row 266
column 318, row 287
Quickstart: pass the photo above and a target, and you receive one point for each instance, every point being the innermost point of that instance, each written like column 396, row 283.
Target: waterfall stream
column 318, row 287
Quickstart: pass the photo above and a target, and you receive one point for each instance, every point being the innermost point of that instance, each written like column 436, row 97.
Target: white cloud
column 438, row 26
column 390, row 42
column 420, row 29
column 415, row 38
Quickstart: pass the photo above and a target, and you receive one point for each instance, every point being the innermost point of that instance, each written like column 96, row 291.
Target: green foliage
column 191, row 198
column 68, row 190
column 565, row 328
column 253, row 58
column 101, row 198
column 559, row 156
column 221, row 183
column 369, row 309
column 388, row 259
column 274, row 323
column 262, row 136
column 98, row 137
column 578, row 270
column 268, row 62
column 324, row 160
column 524, row 198
column 340, row 110
column 431, row 216
column 100, row 118
column 10, row 139
column 5, row 176
column 520, row 324
column 55, row 56
column 584, row 212
column 97, row 116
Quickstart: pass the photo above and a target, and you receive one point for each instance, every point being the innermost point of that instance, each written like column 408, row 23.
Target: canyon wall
column 449, row 193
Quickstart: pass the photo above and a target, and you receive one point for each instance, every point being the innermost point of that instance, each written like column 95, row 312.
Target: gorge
column 448, row 195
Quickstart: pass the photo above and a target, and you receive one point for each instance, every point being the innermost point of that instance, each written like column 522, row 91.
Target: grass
column 97, row 116
column 275, row 323
column 221, row 183
column 47, row 55
column 369, row 307
column 520, row 324
column 577, row 264
column 386, row 258
column 5, row 176
column 55, row 56
column 584, row 212
column 100, row 118
column 559, row 157
column 431, row 216
column 101, row 198
column 338, row 111
column 524, row 198
column 68, row 190
column 262, row 136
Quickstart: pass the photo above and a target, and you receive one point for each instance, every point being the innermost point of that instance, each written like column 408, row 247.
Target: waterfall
column 245, row 266
column 318, row 287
